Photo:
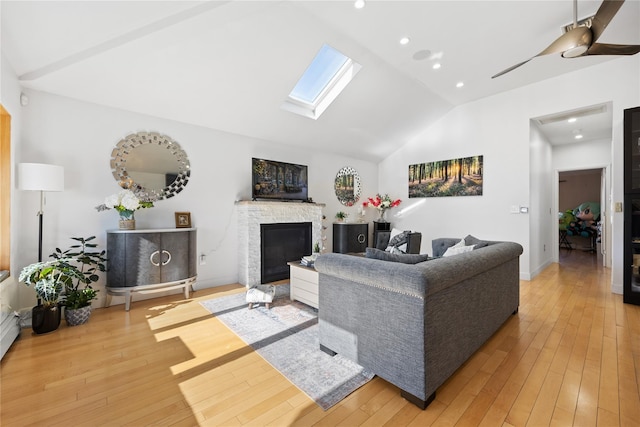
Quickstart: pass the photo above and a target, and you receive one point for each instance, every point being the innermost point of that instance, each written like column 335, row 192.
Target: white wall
column 477, row 128
column 81, row 136
column 575, row 189
column 540, row 208
column 498, row 128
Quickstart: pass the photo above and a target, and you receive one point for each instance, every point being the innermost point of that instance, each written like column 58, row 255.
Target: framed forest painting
column 455, row 177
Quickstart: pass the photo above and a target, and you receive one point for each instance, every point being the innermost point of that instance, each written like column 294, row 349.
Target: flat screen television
column 279, row 180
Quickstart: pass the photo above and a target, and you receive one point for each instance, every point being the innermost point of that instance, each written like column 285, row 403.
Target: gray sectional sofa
column 415, row 324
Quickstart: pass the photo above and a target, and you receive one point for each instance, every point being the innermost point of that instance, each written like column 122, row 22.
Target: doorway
column 582, row 193
column 572, row 142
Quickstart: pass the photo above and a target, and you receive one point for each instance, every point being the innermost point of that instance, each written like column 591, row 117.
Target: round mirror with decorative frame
column 151, row 164
column 347, row 186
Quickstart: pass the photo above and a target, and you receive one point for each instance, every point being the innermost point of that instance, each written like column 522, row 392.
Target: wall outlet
column 203, row 259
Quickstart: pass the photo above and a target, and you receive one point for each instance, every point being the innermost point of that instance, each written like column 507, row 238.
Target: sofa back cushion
column 440, row 246
column 374, row 253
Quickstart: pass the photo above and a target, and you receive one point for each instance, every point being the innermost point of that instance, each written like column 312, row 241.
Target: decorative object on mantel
column 382, row 204
column 126, row 203
column 183, row 219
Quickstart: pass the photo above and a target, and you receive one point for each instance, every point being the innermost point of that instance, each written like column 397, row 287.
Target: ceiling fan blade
column 579, row 36
column 613, row 49
column 511, row 68
column 603, row 16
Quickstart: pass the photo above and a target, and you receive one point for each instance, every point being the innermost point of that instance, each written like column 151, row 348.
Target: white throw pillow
column 458, row 248
column 460, row 244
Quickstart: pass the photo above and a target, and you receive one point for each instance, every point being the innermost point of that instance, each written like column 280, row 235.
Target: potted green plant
column 341, row 216
column 86, row 262
column 48, row 279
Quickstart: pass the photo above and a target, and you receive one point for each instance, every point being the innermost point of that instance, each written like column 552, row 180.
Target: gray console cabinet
column 150, row 261
column 350, row 237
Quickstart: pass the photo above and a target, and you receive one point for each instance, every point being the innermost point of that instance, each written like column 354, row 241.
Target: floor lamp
column 40, row 177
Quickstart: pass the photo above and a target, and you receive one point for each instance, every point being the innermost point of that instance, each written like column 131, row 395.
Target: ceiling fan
column 581, row 40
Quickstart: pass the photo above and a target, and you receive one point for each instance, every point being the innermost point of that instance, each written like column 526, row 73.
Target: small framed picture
column 183, row 219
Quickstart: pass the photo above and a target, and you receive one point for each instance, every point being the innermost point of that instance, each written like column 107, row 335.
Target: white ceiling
column 229, row 65
column 592, row 122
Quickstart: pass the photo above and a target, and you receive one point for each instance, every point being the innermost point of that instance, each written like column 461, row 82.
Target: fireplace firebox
column 281, row 243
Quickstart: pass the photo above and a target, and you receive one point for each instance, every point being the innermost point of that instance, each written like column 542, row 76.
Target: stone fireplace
column 253, row 214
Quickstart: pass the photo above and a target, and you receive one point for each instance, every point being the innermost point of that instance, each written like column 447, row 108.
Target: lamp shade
column 40, row 177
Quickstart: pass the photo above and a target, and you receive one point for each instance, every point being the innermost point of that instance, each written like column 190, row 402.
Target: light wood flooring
column 571, row 356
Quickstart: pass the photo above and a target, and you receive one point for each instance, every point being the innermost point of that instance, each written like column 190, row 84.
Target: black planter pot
column 45, row 319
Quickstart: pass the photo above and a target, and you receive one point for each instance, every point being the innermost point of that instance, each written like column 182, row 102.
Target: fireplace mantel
column 253, row 213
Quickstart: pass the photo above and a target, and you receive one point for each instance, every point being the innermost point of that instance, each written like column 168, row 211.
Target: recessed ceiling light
column 460, row 84
column 572, row 120
column 359, row 4
column 404, row 40
column 578, row 136
column 436, row 66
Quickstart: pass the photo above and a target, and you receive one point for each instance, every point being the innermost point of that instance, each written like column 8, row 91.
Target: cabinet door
column 129, row 259
column 142, row 252
column 175, row 256
column 632, row 150
column 349, row 238
column 632, row 250
column 358, row 237
column 116, row 260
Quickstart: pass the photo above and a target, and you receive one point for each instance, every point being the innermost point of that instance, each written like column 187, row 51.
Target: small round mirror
column 347, row 186
column 150, row 163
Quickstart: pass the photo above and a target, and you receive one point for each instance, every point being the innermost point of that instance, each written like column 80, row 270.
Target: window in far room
column 5, row 191
column 324, row 79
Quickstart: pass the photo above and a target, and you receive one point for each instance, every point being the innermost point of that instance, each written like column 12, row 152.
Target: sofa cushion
column 397, row 241
column 475, row 242
column 458, row 248
column 374, row 253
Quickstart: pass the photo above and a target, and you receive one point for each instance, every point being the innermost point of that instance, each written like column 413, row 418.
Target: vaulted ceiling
column 229, row 65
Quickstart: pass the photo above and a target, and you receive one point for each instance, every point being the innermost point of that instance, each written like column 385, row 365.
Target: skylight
column 324, row 79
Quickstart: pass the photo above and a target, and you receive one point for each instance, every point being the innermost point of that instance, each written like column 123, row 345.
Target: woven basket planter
column 78, row 316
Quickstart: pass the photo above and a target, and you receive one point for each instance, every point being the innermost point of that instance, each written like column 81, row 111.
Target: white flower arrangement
column 125, row 202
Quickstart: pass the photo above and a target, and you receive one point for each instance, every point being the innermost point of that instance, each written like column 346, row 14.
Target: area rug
column 286, row 336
